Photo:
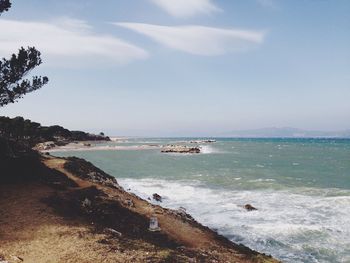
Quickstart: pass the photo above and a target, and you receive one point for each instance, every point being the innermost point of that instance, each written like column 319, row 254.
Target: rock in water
column 157, row 197
column 180, row 149
column 249, row 207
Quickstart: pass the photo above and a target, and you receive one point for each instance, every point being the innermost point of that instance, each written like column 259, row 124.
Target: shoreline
column 71, row 147
column 76, row 146
column 109, row 206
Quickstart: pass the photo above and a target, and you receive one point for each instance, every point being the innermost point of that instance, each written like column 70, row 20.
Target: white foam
column 208, row 149
column 261, row 180
column 119, row 139
column 291, row 225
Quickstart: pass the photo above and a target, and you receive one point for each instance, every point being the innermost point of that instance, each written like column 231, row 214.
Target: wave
column 291, row 225
column 208, row 149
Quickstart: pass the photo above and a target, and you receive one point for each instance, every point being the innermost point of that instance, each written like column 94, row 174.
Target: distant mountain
column 287, row 132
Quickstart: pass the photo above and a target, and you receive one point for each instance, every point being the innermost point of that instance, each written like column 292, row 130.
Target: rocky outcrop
column 181, row 212
column 32, row 133
column 88, row 171
column 180, row 149
column 45, row 146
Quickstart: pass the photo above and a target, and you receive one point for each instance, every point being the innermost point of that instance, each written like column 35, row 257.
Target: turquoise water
column 301, row 188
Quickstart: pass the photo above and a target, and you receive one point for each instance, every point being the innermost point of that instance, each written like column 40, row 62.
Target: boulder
column 157, row 197
column 181, row 212
column 249, row 207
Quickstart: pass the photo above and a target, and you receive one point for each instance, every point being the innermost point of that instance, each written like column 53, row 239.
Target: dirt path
column 179, row 230
column 32, row 231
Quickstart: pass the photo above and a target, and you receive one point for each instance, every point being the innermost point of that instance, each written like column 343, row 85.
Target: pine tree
column 4, row 5
column 13, row 71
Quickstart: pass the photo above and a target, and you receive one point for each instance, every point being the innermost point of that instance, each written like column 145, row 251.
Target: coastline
column 109, row 217
column 51, row 147
column 81, row 147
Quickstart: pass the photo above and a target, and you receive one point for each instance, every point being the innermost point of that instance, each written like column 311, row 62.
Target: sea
column 300, row 187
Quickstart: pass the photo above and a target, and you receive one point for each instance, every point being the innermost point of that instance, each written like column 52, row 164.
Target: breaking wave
column 290, row 224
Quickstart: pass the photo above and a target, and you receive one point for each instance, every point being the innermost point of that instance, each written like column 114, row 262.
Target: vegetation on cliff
column 31, row 133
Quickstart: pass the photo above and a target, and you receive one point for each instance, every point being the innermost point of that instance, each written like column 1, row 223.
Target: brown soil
column 46, row 221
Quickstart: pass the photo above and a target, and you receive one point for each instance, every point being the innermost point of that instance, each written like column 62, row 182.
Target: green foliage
column 12, row 72
column 4, row 5
column 31, row 133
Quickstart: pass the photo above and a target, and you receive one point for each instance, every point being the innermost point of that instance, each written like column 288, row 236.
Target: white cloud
column 186, row 8
column 66, row 42
column 267, row 3
column 199, row 40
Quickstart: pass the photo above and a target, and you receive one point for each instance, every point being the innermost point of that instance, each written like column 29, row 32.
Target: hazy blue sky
column 185, row 67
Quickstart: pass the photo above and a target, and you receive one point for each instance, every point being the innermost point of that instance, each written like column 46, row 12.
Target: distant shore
column 92, row 146
column 192, row 146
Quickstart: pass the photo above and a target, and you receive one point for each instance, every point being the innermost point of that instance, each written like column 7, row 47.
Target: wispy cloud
column 66, row 42
column 199, row 40
column 267, row 3
column 186, row 8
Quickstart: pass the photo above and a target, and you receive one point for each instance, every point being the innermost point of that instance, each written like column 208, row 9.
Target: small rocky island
column 180, row 149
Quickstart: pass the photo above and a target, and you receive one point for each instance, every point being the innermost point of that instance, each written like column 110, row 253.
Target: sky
column 184, row 67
